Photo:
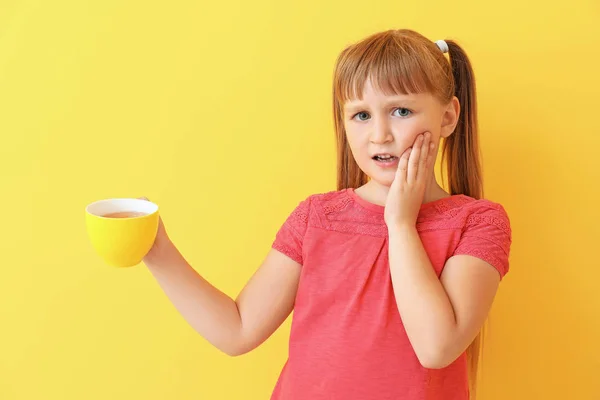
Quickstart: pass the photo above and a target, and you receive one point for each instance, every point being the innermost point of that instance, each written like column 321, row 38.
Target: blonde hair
column 402, row 62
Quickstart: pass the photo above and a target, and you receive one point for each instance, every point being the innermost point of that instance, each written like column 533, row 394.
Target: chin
column 385, row 183
column 382, row 179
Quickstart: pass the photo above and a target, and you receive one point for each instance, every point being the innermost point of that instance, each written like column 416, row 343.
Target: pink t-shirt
column 347, row 340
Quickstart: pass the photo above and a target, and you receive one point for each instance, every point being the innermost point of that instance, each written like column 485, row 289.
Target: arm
column 233, row 326
column 441, row 316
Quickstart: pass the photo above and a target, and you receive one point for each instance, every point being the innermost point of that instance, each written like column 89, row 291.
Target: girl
column 390, row 277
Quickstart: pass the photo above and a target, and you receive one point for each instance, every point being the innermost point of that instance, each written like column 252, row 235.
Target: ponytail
column 461, row 149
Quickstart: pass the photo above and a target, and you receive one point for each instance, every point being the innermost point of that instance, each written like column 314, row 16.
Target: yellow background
column 220, row 112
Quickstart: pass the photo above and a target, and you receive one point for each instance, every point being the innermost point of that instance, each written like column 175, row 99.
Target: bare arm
column 233, row 326
column 441, row 316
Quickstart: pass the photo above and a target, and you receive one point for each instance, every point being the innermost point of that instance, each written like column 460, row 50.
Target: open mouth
column 385, row 158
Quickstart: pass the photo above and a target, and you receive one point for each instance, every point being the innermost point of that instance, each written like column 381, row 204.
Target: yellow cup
column 122, row 240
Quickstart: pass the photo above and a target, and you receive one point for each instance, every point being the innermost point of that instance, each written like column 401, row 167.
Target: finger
column 413, row 162
column 403, row 165
column 431, row 155
column 424, row 159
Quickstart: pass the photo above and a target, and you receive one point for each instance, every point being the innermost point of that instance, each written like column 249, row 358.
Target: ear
column 450, row 117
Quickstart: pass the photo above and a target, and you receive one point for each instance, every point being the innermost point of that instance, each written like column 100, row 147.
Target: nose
column 381, row 132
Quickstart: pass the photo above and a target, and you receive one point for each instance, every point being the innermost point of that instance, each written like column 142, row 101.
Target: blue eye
column 362, row 116
column 403, row 112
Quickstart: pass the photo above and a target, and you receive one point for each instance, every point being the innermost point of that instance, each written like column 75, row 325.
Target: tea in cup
column 122, row 230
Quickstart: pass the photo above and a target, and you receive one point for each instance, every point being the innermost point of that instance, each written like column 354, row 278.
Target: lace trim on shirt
column 487, row 256
column 500, row 223
column 337, row 205
column 339, row 212
column 300, row 214
column 452, row 207
column 342, row 214
column 294, row 255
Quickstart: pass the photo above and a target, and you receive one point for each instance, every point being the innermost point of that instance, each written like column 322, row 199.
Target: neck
column 376, row 193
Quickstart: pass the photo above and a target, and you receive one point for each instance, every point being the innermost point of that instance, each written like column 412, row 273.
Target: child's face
column 381, row 124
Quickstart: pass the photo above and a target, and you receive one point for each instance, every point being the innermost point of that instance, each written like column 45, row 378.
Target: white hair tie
column 442, row 45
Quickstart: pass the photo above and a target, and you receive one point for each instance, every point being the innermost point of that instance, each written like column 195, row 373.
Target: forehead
column 374, row 96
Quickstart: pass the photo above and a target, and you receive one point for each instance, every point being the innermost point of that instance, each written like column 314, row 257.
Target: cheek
column 407, row 132
column 357, row 139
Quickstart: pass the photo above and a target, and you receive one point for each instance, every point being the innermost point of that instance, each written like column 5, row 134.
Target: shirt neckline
column 425, row 207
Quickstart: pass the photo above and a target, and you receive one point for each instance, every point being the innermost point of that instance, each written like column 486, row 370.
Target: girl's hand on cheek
column 406, row 193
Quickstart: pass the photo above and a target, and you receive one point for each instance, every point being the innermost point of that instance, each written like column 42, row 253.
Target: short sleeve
column 487, row 235
column 290, row 237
